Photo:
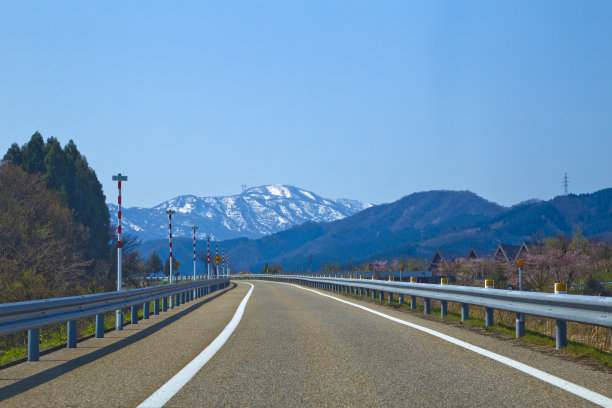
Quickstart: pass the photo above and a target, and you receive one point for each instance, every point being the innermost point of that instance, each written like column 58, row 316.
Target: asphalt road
column 294, row 348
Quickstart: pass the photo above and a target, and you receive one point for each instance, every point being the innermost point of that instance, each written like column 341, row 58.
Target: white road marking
column 159, row 398
column 575, row 389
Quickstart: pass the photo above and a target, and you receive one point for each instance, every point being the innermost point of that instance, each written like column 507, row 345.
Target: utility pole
column 118, row 314
column 171, row 260
column 565, row 184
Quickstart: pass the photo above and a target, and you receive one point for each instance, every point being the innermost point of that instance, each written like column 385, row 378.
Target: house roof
column 480, row 253
column 506, row 252
column 442, row 255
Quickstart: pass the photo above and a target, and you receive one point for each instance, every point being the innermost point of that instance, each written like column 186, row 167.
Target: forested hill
column 419, row 223
column 55, row 237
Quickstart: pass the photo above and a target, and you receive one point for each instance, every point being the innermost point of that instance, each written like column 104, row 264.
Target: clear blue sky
column 367, row 100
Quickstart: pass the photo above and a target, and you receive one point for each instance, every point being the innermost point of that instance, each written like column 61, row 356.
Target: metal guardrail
column 31, row 315
column 594, row 310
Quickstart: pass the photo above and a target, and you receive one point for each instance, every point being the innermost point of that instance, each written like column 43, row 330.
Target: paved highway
column 294, row 347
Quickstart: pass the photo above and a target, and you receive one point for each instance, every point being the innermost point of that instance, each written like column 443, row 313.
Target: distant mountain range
column 257, row 212
column 418, row 224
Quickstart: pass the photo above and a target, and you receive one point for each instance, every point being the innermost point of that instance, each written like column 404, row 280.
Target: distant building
column 479, row 253
column 442, row 255
column 506, row 253
column 527, row 248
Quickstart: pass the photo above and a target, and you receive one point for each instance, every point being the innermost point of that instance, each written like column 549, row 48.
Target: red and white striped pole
column 171, row 260
column 216, row 253
column 229, row 269
column 223, row 262
column 194, row 252
column 118, row 315
column 208, row 257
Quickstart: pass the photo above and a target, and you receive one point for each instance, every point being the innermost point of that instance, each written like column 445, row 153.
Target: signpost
column 119, row 315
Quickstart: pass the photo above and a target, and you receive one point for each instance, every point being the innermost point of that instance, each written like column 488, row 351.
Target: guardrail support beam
column 413, row 302
column 427, row 305
column 100, row 325
column 520, row 325
column 145, row 310
column 561, row 334
column 465, row 312
column 400, row 299
column 33, row 344
column 134, row 316
column 381, row 296
column 443, row 308
column 71, row 339
column 391, row 298
column 165, row 304
column 488, row 317
column 156, row 307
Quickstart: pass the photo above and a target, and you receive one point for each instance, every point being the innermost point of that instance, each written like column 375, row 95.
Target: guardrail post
column 145, row 310
column 413, row 302
column 156, row 307
column 427, row 305
column 373, row 294
column 367, row 293
column 71, row 339
column 443, row 303
column 164, row 304
column 400, row 299
column 100, row 325
column 134, row 317
column 33, row 344
column 465, row 312
column 488, row 310
column 390, row 298
column 561, row 325
column 381, row 296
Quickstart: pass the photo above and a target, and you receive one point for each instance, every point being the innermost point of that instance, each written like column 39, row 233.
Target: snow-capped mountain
column 258, row 211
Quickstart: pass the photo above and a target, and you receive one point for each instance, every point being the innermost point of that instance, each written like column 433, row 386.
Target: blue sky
column 366, row 100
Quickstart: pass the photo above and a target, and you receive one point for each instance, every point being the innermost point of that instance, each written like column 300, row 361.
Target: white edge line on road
column 174, row 385
column 575, row 389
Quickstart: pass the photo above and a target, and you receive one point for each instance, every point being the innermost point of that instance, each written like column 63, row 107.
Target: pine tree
column 154, row 263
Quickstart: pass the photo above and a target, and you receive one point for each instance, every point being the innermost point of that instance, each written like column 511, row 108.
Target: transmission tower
column 565, row 184
column 244, row 187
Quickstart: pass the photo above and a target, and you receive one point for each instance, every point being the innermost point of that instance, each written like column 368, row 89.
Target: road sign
column 176, row 265
column 217, row 259
column 520, row 263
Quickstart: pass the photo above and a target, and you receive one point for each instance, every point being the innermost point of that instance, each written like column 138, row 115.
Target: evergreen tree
column 34, row 154
column 14, row 155
column 154, row 263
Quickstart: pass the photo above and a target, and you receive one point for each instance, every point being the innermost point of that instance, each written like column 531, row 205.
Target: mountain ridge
column 256, row 212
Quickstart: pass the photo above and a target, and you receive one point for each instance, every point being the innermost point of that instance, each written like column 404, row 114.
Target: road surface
column 293, row 347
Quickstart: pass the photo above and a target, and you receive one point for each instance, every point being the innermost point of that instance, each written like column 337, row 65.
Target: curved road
column 293, row 347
